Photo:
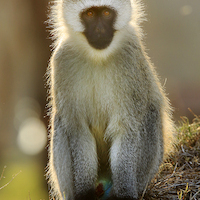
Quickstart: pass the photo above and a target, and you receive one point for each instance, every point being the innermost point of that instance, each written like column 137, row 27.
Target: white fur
column 65, row 15
column 72, row 12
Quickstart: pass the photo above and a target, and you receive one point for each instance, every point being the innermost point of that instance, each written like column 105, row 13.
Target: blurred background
column 172, row 37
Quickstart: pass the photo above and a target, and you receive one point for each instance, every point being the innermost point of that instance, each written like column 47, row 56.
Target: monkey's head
column 98, row 21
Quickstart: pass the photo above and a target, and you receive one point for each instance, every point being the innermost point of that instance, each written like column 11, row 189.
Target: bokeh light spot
column 32, row 136
column 186, row 10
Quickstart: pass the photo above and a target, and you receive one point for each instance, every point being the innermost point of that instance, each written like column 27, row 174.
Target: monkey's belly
column 103, row 147
column 104, row 183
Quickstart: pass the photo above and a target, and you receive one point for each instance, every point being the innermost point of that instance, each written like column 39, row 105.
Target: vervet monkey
column 109, row 114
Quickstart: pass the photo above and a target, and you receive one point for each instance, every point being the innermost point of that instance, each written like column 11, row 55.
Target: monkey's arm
column 60, row 161
column 151, row 145
column 73, row 162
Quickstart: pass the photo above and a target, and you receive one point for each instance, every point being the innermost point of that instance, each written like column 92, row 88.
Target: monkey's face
column 99, row 26
column 97, row 20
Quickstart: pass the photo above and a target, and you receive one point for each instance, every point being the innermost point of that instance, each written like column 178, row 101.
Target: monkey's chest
column 96, row 99
column 99, row 101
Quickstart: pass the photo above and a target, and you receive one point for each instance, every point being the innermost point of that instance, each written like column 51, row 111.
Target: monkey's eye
column 90, row 13
column 106, row 13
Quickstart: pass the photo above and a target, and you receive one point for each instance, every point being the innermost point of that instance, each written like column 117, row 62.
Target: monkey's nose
column 100, row 30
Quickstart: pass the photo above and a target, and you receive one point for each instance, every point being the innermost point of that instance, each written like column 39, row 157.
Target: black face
column 98, row 22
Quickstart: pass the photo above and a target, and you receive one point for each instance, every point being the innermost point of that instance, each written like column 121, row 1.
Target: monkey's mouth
column 100, row 43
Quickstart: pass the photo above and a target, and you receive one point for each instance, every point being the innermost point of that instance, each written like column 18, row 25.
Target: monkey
column 110, row 116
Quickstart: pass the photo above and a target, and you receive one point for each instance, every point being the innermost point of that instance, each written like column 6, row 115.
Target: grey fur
column 108, row 109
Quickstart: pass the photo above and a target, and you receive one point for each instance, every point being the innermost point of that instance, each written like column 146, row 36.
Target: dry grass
column 2, row 176
column 179, row 176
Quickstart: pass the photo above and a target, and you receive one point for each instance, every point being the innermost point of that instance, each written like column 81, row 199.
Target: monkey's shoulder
column 63, row 51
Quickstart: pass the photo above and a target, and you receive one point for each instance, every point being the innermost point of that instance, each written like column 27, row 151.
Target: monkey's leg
column 60, row 172
column 124, row 156
column 74, row 161
column 136, row 156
